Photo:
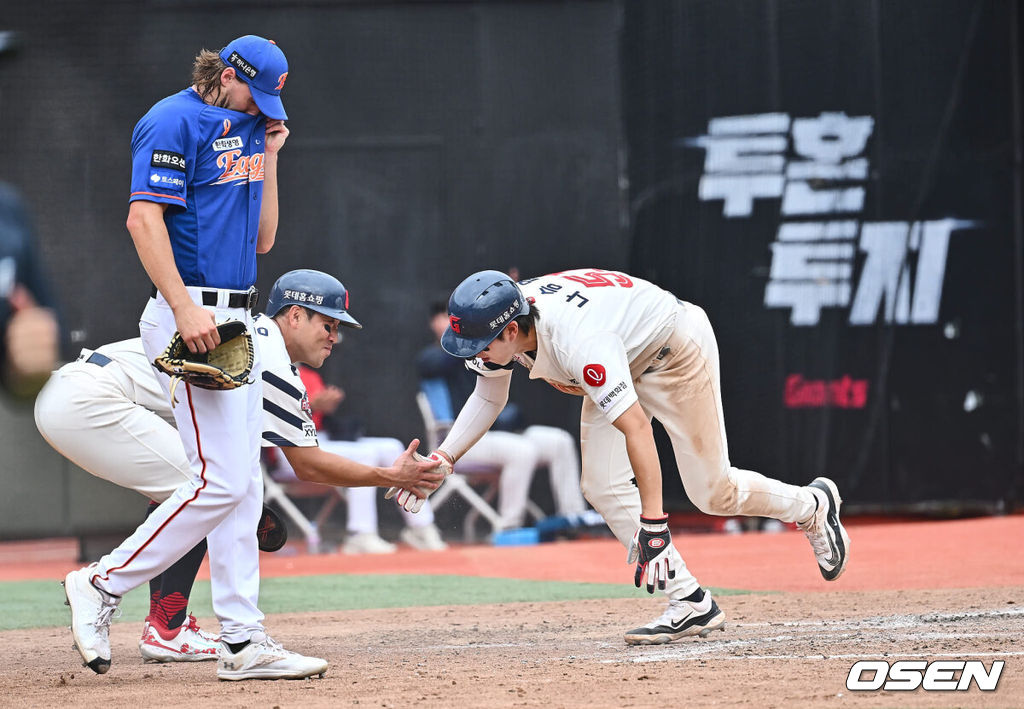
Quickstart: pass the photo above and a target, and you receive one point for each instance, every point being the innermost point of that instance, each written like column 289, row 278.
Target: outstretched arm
column 313, row 464
column 477, row 416
column 651, row 549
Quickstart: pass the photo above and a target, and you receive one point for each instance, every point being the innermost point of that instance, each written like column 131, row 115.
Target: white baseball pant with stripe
column 220, row 431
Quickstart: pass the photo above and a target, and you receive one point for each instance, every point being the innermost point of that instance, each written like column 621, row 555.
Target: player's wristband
column 654, row 524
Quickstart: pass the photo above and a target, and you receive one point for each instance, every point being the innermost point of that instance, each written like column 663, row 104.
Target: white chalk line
column 853, row 656
column 856, row 632
column 732, row 649
column 890, row 621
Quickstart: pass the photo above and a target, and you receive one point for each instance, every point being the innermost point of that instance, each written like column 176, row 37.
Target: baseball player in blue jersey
column 203, row 203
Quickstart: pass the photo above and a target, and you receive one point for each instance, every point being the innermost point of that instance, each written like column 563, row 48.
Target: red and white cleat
column 185, row 644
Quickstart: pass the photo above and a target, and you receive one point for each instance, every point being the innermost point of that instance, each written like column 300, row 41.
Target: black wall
column 925, row 404
column 429, row 140
column 433, row 139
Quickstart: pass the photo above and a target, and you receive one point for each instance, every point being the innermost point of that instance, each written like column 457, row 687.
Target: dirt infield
column 792, row 649
column 787, row 650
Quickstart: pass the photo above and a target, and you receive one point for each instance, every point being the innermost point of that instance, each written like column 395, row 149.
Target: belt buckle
column 252, row 298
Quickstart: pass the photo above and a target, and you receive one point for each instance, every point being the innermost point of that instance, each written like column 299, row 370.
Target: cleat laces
column 108, row 612
column 815, row 532
column 819, row 544
column 671, row 615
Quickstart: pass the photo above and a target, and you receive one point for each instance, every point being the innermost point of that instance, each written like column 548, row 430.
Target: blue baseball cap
column 261, row 64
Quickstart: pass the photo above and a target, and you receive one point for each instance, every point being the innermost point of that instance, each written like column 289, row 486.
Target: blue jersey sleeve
column 162, row 155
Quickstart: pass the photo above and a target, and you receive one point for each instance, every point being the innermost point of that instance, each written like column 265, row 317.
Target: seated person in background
column 363, row 535
column 517, row 448
column 29, row 339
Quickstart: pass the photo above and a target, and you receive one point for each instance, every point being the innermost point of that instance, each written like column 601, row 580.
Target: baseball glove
column 271, row 532
column 227, row 366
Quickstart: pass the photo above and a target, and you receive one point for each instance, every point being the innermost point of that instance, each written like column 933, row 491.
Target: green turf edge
column 40, row 604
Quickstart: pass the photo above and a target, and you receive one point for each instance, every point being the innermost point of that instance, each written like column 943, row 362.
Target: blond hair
column 206, row 71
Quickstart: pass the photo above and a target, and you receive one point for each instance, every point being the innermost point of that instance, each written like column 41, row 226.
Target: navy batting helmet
column 311, row 289
column 479, row 310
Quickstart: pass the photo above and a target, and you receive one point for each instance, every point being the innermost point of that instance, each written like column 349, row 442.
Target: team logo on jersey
column 594, row 375
column 243, row 66
column 606, row 401
column 167, row 181
column 454, row 323
column 222, row 144
column 227, row 127
column 239, row 168
column 305, row 404
column 168, row 158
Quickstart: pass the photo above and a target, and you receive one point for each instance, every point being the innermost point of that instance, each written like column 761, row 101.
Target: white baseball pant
column 362, row 501
column 86, row 414
column 220, row 431
column 684, row 394
column 518, row 455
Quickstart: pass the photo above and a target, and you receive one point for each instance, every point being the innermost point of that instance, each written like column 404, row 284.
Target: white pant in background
column 362, row 501
column 518, row 455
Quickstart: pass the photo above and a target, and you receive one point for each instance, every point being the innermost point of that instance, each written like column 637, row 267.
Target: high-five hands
column 412, row 499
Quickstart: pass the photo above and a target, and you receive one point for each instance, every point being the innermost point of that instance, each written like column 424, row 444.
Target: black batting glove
column 651, row 551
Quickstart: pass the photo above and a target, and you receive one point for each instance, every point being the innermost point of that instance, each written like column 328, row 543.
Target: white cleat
column 426, row 538
column 263, row 658
column 368, row 543
column 681, row 619
column 825, row 532
column 91, row 612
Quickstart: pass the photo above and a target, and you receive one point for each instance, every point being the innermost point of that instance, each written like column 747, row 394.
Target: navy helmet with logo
column 316, row 290
column 479, row 309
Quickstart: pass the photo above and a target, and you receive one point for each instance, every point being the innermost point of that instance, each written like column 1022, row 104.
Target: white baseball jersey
column 216, row 445
column 597, row 330
column 623, row 340
column 287, row 415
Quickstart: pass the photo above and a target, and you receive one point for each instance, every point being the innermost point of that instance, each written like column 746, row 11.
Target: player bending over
column 635, row 352
column 107, row 413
